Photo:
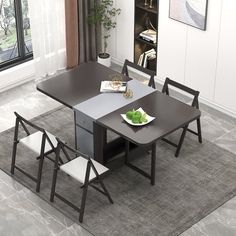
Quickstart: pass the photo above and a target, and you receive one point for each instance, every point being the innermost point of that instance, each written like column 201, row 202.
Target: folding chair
column 146, row 71
column 41, row 142
column 83, row 169
column 195, row 103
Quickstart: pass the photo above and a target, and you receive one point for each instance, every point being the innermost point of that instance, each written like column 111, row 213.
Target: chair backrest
column 68, row 152
column 151, row 73
column 24, row 122
column 182, row 87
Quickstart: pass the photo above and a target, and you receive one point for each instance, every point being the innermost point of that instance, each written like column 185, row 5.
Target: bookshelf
column 145, row 18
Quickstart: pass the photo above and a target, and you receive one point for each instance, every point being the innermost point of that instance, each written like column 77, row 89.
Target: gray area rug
column 187, row 188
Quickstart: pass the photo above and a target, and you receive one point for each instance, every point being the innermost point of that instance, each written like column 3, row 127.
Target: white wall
column 225, row 88
column 204, row 60
column 201, row 53
column 122, row 40
column 171, row 46
column 207, row 61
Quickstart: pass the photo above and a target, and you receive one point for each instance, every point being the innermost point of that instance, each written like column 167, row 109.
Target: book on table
column 116, row 86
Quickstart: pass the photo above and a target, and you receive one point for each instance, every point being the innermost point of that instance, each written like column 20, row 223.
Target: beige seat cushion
column 34, row 141
column 77, row 169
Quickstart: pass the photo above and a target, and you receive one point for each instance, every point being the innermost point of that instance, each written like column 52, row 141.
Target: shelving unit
column 144, row 15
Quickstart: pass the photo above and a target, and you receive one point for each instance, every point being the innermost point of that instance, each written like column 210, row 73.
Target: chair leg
column 54, row 181
column 105, row 190
column 199, row 131
column 40, row 168
column 13, row 157
column 83, row 201
column 181, row 141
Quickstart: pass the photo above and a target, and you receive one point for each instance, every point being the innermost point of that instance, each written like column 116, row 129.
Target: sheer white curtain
column 47, row 19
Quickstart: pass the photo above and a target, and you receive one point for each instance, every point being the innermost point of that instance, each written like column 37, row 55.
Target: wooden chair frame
column 195, row 104
column 125, row 71
column 64, row 147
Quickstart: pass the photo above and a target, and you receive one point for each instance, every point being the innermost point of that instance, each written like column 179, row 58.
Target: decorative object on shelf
column 148, row 24
column 104, row 14
column 145, row 3
column 151, row 4
column 190, row 12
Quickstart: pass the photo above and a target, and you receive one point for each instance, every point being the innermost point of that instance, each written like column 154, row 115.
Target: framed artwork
column 190, row 12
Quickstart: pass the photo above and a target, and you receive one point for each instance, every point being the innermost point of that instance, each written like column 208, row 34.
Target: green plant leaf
column 104, row 14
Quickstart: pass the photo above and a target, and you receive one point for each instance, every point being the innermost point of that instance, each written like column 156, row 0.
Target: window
column 15, row 34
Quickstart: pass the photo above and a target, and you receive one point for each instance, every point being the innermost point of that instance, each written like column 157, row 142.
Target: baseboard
column 207, row 102
column 218, row 107
column 17, row 75
column 16, row 83
column 117, row 61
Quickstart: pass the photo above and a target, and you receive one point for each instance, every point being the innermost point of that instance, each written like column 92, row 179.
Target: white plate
column 149, row 119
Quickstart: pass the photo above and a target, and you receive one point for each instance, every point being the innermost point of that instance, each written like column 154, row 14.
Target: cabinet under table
column 87, row 112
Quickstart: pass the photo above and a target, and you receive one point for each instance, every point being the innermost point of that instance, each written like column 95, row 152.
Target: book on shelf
column 115, row 86
column 148, row 40
column 140, row 60
column 147, row 55
column 149, row 35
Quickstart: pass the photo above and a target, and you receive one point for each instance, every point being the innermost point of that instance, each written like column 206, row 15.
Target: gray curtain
column 89, row 35
column 83, row 40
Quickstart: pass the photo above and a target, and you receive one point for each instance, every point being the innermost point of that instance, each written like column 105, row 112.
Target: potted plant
column 104, row 15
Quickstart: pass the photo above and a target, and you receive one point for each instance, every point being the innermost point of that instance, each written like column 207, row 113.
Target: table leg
column 153, row 164
column 98, row 142
column 126, row 151
column 76, row 146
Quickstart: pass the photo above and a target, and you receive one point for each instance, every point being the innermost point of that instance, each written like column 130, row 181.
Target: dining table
column 95, row 113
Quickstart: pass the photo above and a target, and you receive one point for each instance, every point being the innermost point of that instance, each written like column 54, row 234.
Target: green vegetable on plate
column 143, row 118
column 129, row 114
column 137, row 117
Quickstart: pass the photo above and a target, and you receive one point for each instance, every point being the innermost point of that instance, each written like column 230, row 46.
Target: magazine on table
column 116, row 86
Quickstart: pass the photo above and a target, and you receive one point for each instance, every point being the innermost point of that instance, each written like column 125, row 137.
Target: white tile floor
column 32, row 216
column 25, row 100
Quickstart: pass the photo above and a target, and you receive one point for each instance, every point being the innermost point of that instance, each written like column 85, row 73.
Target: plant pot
column 104, row 59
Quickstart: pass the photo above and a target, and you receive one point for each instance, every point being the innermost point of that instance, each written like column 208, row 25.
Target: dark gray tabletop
column 77, row 85
column 170, row 114
column 83, row 83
